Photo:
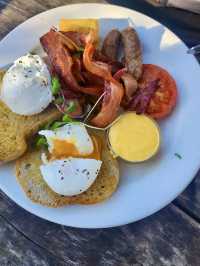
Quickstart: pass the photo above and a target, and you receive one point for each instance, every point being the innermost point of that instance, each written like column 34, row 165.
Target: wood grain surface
column 170, row 237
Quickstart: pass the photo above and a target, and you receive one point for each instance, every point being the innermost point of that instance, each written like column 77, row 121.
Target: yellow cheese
column 134, row 138
column 80, row 25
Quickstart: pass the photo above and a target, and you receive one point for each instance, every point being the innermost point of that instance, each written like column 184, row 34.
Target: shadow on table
column 185, row 24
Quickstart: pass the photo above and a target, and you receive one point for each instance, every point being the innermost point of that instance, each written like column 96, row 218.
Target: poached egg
column 71, row 176
column 69, row 140
column 74, row 161
column 26, row 86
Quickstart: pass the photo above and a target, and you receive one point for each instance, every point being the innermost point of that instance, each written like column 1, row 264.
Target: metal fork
column 194, row 50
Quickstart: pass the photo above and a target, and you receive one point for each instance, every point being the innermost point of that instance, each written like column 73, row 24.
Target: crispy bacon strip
column 92, row 79
column 62, row 63
column 77, row 70
column 113, row 65
column 110, row 105
column 114, row 90
column 100, row 69
column 77, row 37
column 129, row 82
column 130, row 85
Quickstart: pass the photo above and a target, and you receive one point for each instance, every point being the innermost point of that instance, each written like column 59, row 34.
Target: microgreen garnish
column 81, row 49
column 71, row 107
column 178, row 155
column 55, row 85
column 57, row 124
column 67, row 119
column 79, row 52
column 58, row 100
column 41, row 141
column 48, row 125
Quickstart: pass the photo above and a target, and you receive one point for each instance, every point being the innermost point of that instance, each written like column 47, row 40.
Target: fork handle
column 194, row 50
column 190, row 5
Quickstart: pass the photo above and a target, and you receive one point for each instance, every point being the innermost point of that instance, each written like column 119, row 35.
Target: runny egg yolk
column 64, row 149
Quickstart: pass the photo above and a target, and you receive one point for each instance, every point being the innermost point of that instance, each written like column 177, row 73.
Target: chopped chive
column 178, row 155
column 55, row 85
column 71, row 107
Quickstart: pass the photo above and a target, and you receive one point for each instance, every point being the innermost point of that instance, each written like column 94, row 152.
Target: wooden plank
column 15, row 249
column 189, row 201
column 169, row 237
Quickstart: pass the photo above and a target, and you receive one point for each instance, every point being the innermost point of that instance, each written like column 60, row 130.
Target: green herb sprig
column 55, row 86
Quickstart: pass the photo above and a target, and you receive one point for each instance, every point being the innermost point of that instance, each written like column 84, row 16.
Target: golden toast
column 29, row 176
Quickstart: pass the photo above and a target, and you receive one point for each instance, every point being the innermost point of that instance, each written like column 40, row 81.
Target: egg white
column 71, row 176
column 26, row 86
column 73, row 133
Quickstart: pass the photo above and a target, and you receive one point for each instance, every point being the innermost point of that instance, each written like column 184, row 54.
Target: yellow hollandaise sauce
column 134, row 138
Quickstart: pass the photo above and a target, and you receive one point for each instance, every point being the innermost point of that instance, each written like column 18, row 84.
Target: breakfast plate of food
column 99, row 115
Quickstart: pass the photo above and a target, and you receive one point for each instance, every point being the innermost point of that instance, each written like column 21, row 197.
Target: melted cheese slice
column 80, row 25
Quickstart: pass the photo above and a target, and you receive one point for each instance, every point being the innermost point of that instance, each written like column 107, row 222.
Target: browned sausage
column 132, row 51
column 111, row 44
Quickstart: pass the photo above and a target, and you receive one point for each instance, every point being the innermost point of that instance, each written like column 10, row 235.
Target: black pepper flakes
column 44, row 83
column 62, row 177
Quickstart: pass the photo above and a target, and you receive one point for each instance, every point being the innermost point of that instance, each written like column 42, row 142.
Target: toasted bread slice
column 15, row 129
column 29, row 176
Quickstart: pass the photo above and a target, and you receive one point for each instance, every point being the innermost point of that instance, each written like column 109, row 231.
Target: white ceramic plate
column 147, row 187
